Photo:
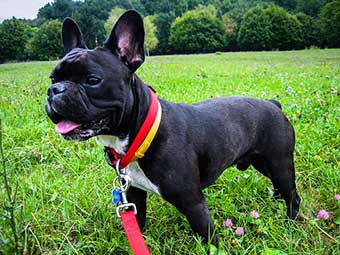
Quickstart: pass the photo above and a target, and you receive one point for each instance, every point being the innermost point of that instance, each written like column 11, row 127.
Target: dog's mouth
column 79, row 127
column 66, row 126
column 71, row 130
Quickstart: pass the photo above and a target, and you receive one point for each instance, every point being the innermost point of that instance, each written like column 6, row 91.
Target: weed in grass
column 65, row 187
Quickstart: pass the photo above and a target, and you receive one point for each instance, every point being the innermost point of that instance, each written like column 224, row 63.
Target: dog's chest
column 138, row 177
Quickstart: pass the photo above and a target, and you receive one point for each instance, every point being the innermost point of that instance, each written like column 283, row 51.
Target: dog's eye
column 92, row 80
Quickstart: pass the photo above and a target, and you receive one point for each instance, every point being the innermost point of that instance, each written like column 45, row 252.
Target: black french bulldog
column 96, row 93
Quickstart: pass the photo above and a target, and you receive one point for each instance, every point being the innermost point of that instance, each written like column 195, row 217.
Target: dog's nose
column 55, row 89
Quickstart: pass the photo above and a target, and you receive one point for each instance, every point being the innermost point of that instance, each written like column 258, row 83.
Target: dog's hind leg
column 282, row 174
column 261, row 165
column 284, row 181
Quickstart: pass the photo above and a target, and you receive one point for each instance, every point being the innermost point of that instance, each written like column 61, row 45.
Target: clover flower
column 239, row 231
column 228, row 223
column 322, row 214
column 254, row 214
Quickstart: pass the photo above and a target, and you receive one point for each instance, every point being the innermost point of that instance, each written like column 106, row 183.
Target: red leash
column 119, row 162
column 134, row 234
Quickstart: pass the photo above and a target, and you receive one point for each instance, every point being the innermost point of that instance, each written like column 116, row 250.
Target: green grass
column 64, row 200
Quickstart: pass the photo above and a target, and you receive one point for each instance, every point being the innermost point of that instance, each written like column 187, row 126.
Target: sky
column 20, row 8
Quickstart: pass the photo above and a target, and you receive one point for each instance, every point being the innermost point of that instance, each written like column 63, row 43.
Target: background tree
column 230, row 30
column 91, row 18
column 151, row 40
column 46, row 43
column 275, row 29
column 311, row 7
column 163, row 23
column 92, row 27
column 196, row 31
column 289, row 5
column 131, row 4
column 310, row 30
column 176, row 7
column 239, row 8
column 286, row 30
column 330, row 24
column 114, row 15
column 59, row 9
column 255, row 33
column 165, row 13
column 13, row 37
column 46, row 12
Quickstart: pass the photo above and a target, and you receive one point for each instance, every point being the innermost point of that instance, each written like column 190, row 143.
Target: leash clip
column 118, row 170
column 123, row 181
column 125, row 207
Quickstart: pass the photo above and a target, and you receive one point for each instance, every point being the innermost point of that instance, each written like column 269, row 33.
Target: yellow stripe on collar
column 151, row 135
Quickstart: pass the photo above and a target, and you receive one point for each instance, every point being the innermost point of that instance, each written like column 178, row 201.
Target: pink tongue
column 65, row 126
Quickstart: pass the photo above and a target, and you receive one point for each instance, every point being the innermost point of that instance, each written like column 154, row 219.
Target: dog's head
column 90, row 89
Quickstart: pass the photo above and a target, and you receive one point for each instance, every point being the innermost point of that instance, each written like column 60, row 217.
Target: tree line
column 180, row 26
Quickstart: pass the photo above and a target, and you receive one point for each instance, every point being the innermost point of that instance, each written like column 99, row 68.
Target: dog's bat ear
column 71, row 35
column 127, row 39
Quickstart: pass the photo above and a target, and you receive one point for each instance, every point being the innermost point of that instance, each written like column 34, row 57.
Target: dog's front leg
column 197, row 213
column 138, row 197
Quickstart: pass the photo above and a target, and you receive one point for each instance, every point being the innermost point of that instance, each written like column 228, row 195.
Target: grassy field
column 64, row 188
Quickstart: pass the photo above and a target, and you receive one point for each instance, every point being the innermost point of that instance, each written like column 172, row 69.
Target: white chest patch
column 138, row 178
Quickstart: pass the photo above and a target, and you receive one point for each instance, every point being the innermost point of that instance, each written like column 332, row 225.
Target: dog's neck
column 133, row 117
column 137, row 109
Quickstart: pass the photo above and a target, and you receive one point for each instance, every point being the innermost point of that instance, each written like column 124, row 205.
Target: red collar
column 149, row 123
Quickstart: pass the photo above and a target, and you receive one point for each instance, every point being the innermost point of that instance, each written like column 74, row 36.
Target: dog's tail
column 276, row 103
